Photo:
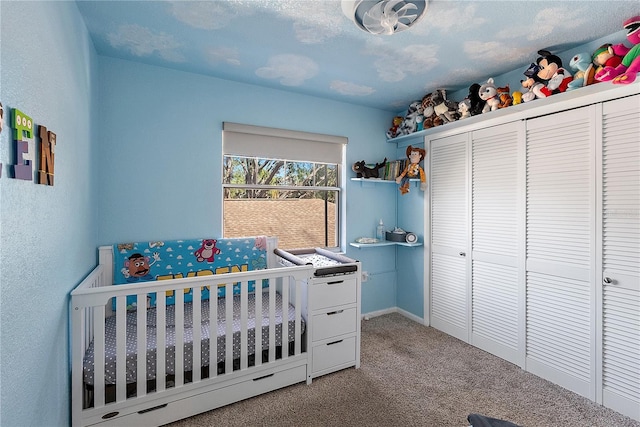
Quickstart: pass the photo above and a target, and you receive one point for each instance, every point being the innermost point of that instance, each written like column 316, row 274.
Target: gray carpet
column 412, row 375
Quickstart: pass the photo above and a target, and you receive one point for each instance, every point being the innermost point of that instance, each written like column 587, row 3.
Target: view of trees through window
column 295, row 201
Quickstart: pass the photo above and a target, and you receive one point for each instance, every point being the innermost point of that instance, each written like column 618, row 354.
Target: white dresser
column 333, row 310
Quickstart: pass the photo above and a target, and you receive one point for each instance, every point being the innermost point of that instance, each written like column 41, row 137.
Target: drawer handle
column 335, row 312
column 109, row 415
column 335, row 342
column 335, row 283
column 261, row 378
column 144, row 411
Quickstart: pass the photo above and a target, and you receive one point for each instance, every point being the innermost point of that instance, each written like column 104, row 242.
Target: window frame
column 260, row 135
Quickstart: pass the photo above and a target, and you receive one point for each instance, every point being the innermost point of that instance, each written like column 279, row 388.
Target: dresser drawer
column 334, row 323
column 334, row 353
column 331, row 293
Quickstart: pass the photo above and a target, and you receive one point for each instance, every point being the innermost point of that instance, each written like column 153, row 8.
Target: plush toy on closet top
column 626, row 72
column 546, row 77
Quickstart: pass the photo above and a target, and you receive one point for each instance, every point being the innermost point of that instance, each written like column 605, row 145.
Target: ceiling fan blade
column 390, row 5
column 404, row 10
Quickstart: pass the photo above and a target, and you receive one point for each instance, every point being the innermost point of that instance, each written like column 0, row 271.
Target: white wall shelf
column 369, row 182
column 385, row 243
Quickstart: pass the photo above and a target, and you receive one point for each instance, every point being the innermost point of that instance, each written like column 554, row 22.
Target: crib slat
column 298, row 314
column 213, row 332
column 161, row 341
column 228, row 304
column 179, row 331
column 285, row 317
column 197, row 332
column 272, row 323
column 258, row 325
column 141, row 329
column 244, row 308
column 121, row 348
column 98, row 356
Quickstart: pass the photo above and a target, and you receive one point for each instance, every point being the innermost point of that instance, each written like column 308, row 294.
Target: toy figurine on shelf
column 626, row 72
column 412, row 170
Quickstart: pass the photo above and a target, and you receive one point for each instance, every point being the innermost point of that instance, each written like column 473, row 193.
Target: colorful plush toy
column 363, row 171
column 626, row 72
column 517, row 97
column 412, row 170
column 546, row 77
column 504, row 96
column 605, row 56
column 488, row 92
column 394, row 130
column 581, row 65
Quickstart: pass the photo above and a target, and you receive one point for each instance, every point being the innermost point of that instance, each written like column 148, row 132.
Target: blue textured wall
column 160, row 150
column 47, row 234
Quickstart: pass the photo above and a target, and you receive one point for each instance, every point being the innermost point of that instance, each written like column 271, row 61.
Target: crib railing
column 91, row 304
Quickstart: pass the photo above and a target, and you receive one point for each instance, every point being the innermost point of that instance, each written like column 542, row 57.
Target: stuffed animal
column 504, row 96
column 363, row 171
column 608, row 56
column 477, row 104
column 517, row 97
column 412, row 170
column 431, row 118
column 394, row 130
column 546, row 77
column 626, row 72
column 464, row 108
column 580, row 64
column 489, row 94
column 446, row 110
column 412, row 118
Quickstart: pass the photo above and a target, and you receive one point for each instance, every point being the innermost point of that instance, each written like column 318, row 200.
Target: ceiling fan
column 384, row 16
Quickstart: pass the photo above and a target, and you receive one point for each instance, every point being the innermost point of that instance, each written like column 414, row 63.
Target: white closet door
column 497, row 240
column 449, row 235
column 621, row 256
column 560, row 262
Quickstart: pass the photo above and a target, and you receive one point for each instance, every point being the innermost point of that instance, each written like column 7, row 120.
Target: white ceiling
column 311, row 47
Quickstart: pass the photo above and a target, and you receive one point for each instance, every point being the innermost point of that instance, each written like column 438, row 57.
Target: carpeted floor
column 412, row 375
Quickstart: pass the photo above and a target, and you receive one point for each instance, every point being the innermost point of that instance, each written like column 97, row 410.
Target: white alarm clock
column 411, row 238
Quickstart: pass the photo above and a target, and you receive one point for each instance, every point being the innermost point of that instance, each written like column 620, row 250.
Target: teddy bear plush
column 363, row 171
column 464, row 108
column 394, row 130
column 626, row 72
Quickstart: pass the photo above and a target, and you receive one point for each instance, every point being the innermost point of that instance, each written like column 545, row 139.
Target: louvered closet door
column 497, row 240
column 560, row 263
column 621, row 256
column 449, row 236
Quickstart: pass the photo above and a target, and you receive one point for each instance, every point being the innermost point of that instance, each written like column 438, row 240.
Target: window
column 282, row 183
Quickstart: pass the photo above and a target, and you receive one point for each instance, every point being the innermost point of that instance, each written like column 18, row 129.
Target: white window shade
column 272, row 143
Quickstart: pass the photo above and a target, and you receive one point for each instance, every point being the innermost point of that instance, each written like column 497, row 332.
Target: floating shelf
column 385, row 243
column 372, row 181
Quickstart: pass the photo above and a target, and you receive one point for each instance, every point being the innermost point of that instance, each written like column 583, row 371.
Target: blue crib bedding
column 131, row 332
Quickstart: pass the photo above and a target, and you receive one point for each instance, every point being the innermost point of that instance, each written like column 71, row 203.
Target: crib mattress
column 131, row 330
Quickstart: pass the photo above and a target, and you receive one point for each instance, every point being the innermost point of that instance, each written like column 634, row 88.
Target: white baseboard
column 411, row 316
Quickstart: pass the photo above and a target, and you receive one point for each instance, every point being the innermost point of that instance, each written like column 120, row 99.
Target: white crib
column 184, row 371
